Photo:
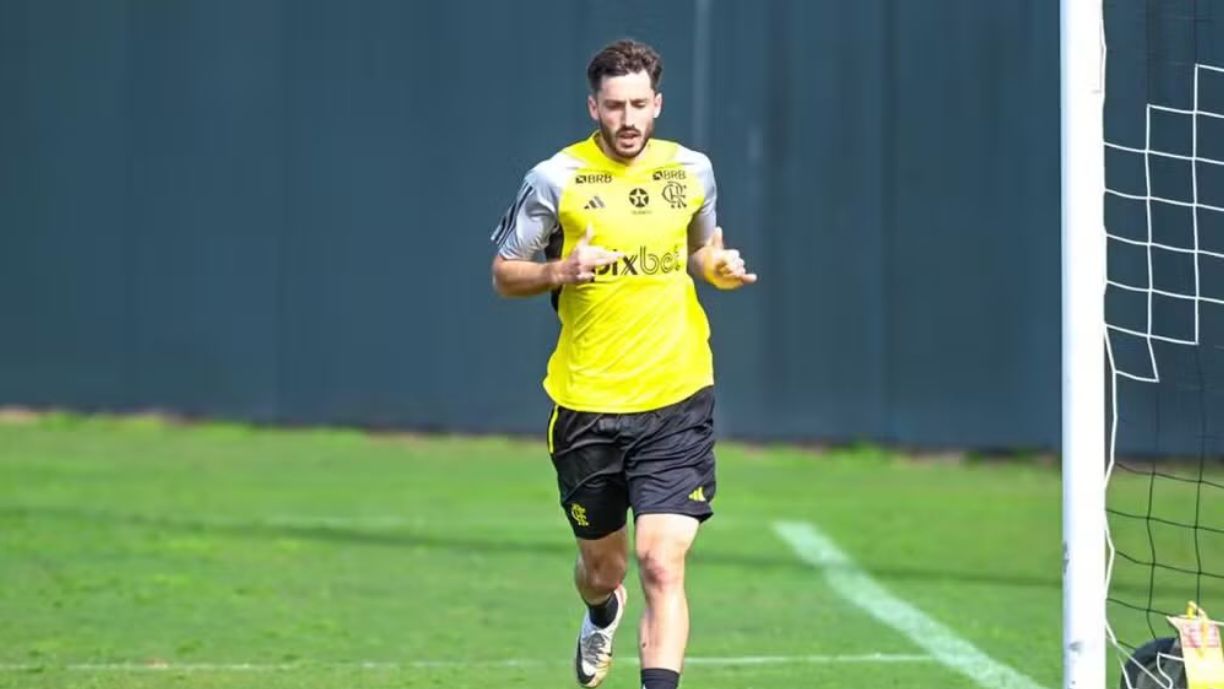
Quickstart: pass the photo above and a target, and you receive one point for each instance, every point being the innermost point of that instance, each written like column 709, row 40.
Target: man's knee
column 663, row 541
column 661, row 566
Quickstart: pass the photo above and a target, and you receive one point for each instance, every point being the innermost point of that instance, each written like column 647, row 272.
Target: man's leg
column 595, row 498
column 600, row 567
column 598, row 574
column 662, row 543
column 671, row 475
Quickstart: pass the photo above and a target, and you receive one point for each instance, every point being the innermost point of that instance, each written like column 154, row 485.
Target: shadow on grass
column 399, row 536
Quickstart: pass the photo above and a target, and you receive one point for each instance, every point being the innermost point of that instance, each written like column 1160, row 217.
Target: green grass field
column 139, row 554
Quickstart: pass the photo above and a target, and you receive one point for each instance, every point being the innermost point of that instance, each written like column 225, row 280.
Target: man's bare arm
column 521, row 278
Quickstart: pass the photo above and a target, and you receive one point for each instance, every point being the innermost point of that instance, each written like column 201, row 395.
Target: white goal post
column 1083, row 343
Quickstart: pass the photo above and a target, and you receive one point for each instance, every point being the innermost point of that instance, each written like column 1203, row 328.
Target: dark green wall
column 279, row 210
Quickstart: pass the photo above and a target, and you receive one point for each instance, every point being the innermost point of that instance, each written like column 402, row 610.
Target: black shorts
column 657, row 462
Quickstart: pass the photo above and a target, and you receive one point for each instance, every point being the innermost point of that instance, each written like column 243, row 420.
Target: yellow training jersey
column 636, row 338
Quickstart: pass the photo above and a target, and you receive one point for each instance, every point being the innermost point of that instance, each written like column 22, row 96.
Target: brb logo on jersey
column 675, row 173
column 644, row 262
column 594, row 178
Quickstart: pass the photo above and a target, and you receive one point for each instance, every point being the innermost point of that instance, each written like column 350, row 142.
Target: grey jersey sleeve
column 701, row 227
column 531, row 219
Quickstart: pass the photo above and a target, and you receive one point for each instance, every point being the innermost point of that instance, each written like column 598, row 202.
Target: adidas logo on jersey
column 594, row 203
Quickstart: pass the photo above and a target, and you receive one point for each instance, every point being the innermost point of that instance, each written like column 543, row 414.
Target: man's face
column 625, row 108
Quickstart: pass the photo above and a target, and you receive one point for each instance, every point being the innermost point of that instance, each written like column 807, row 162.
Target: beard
column 626, row 149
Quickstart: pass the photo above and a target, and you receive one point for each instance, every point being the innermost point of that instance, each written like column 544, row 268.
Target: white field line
column 857, row 587
column 204, row 667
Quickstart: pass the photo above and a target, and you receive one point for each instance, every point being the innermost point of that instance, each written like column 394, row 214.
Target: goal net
column 1164, row 322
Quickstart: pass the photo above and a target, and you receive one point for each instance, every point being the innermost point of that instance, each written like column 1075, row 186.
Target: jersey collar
column 590, row 150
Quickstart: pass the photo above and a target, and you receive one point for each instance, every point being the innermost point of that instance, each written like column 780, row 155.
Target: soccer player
column 622, row 221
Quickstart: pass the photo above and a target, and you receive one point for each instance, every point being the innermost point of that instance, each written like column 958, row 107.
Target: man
column 622, row 220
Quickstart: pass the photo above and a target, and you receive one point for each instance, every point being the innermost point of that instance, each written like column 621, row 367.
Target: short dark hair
column 622, row 57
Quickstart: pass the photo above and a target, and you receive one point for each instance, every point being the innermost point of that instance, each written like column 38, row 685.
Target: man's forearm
column 513, row 278
column 697, row 263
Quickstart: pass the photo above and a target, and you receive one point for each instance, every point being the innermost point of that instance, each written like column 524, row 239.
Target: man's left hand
column 722, row 267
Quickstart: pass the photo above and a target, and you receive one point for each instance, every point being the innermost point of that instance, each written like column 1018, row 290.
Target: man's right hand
column 582, row 262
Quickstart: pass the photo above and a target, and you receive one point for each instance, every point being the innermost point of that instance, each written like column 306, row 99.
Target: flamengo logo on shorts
column 644, row 263
column 578, row 512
